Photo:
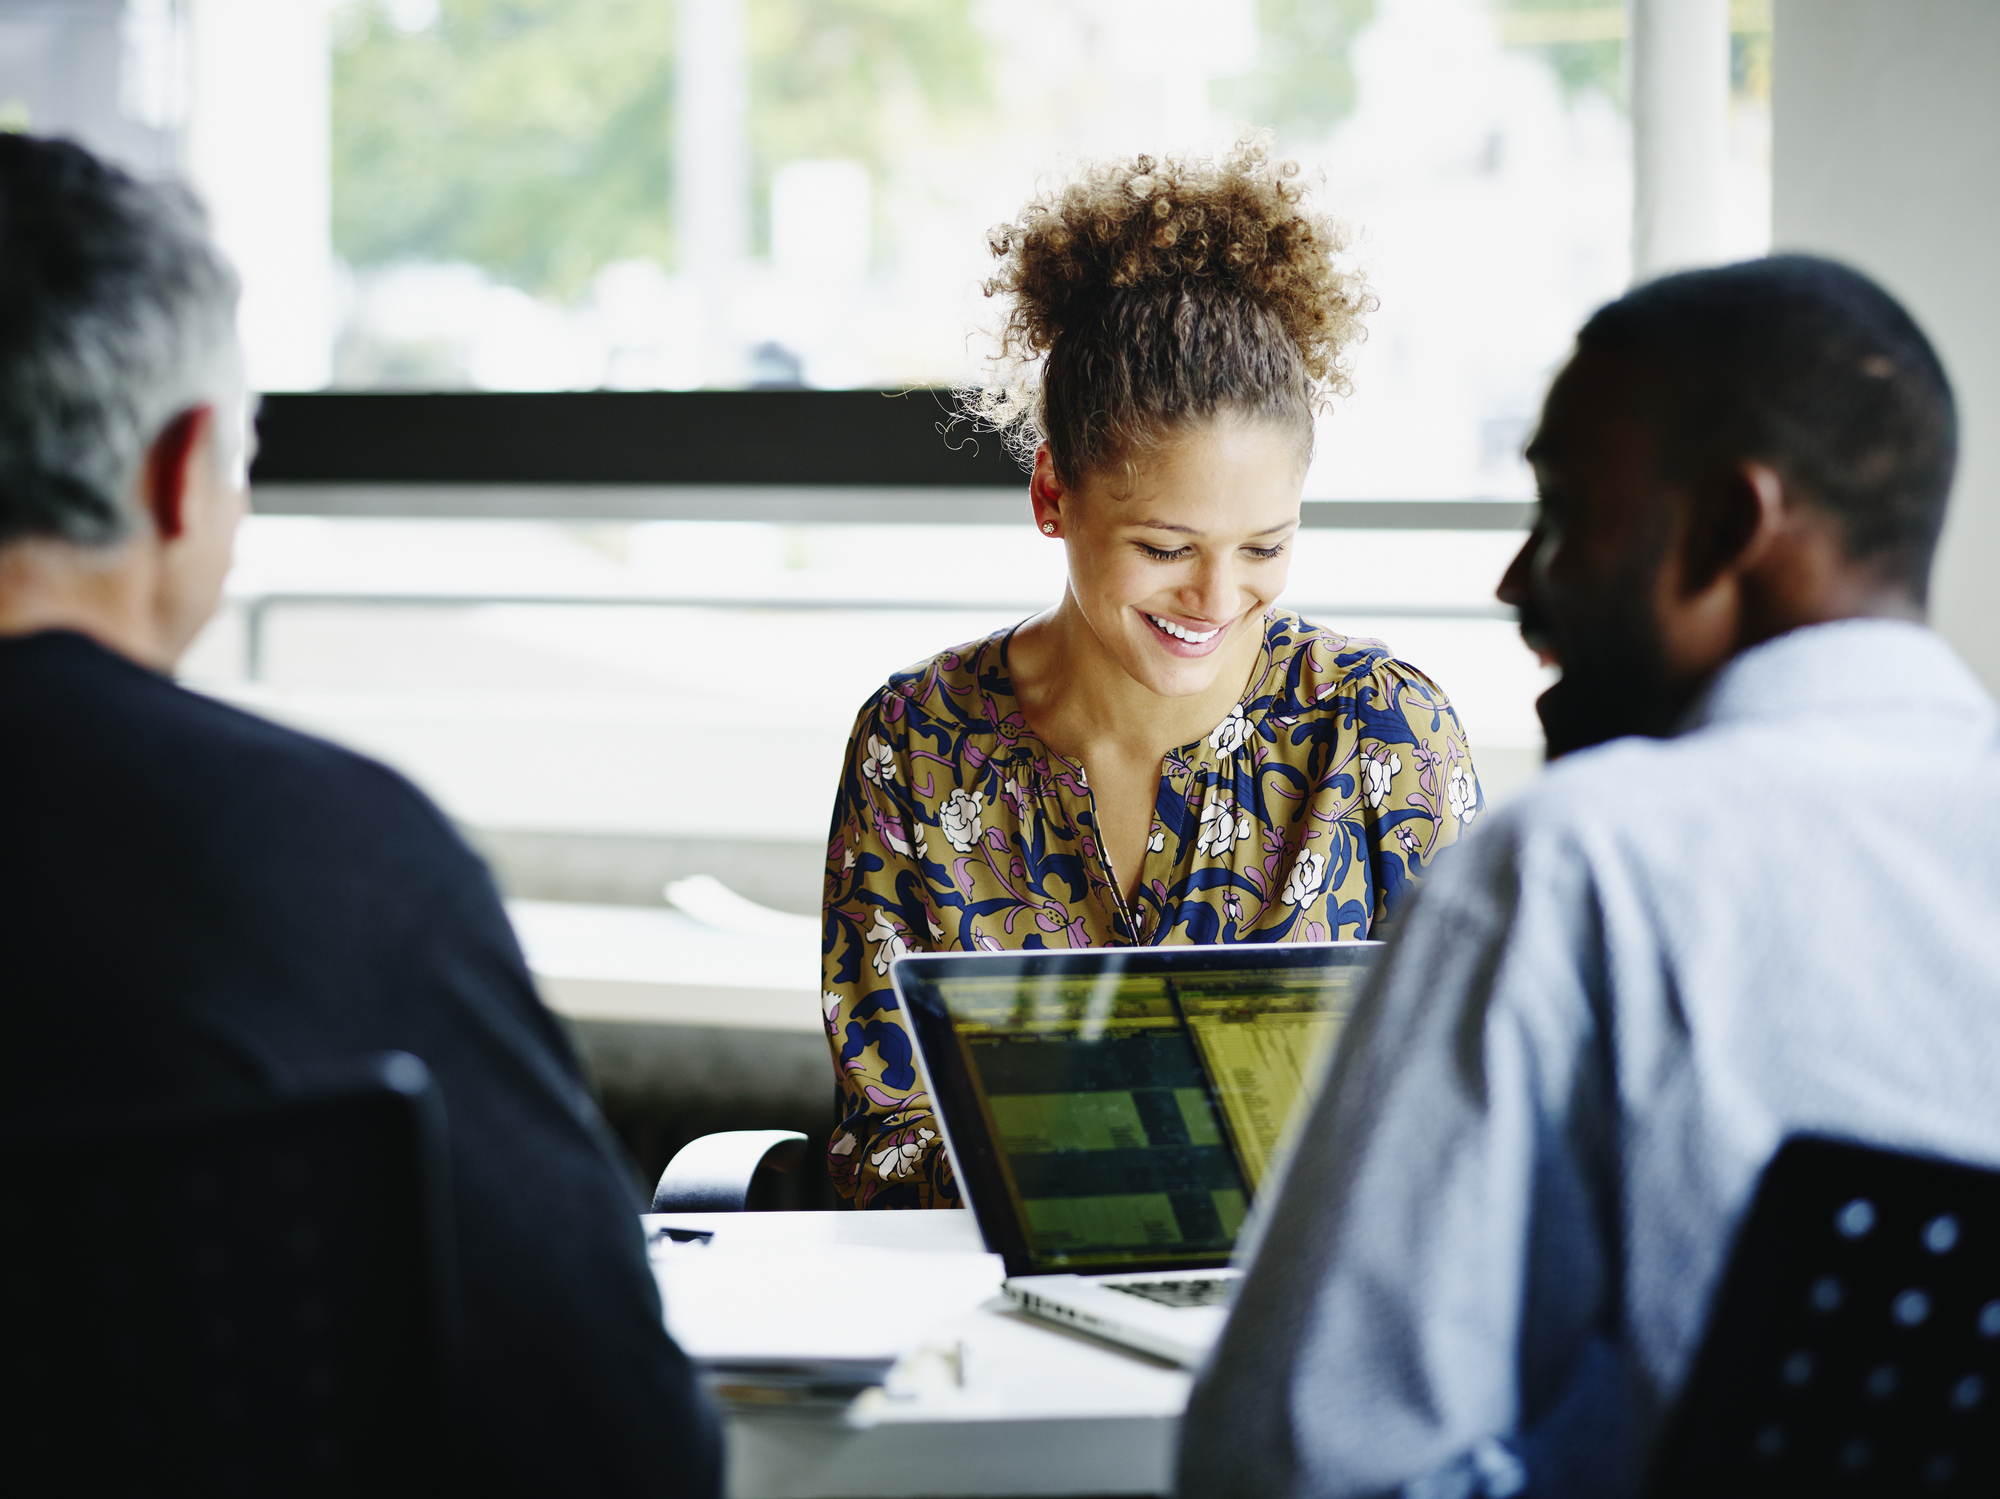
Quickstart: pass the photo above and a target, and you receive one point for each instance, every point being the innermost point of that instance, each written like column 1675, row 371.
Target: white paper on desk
column 826, row 1301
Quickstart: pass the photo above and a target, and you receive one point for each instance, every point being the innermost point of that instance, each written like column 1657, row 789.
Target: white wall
column 1886, row 154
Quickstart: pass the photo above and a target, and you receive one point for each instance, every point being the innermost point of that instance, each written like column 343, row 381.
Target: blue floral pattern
column 1306, row 815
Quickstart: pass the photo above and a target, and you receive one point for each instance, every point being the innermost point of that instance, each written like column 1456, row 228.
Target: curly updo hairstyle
column 1146, row 296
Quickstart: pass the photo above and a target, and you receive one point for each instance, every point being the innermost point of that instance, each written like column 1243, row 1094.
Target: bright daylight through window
column 518, row 195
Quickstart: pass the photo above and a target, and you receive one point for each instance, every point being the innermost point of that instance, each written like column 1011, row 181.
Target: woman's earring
column 1048, row 528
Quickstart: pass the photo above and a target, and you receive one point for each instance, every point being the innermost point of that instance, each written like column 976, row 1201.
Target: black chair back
column 252, row 1302
column 1854, row 1348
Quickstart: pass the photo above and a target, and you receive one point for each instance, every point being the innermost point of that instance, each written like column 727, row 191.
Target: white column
column 258, row 148
column 1680, row 127
column 1885, row 152
column 712, row 172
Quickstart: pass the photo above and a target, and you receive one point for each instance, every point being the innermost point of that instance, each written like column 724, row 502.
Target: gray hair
column 117, row 314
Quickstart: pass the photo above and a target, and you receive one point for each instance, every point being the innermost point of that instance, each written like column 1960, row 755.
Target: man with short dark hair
column 197, row 905
column 1759, row 894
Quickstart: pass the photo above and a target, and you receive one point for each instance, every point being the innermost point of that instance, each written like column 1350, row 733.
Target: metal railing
column 781, row 504
column 257, row 607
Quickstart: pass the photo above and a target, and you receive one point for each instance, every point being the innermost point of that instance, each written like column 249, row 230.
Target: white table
column 981, row 1401
column 664, row 1005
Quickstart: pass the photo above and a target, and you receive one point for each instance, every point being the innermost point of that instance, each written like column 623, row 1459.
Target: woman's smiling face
column 1173, row 563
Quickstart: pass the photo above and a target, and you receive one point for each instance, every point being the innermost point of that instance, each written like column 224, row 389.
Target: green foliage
column 822, row 72
column 1303, row 83
column 531, row 137
column 535, row 137
column 1581, row 66
column 1583, row 40
column 842, row 78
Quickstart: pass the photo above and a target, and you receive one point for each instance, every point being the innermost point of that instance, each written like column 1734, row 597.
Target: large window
column 538, row 194
column 518, row 195
column 534, row 194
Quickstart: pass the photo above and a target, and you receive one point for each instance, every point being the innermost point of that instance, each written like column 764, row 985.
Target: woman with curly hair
column 1163, row 755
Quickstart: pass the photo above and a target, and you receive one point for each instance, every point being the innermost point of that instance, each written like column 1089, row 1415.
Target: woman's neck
column 1077, row 698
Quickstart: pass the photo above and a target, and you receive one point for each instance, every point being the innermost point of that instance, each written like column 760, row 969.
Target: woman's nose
column 1213, row 595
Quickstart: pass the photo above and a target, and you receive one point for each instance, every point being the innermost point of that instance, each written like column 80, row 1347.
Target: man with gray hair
column 198, row 905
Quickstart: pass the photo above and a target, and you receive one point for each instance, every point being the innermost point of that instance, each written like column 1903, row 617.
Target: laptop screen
column 1118, row 1109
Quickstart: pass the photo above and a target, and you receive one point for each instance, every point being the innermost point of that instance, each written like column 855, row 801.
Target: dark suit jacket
column 198, row 904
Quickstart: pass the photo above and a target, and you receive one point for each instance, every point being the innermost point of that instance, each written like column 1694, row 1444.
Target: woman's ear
column 1047, row 494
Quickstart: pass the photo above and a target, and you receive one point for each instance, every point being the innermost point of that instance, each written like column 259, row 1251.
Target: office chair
column 253, row 1301
column 1854, row 1348
column 720, row 1173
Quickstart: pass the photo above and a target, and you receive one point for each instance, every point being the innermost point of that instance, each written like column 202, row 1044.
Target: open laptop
column 1111, row 1113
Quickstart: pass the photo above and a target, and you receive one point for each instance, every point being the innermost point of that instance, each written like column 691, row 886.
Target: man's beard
column 1614, row 674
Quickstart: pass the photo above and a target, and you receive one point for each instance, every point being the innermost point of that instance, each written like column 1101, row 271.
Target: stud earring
column 1048, row 528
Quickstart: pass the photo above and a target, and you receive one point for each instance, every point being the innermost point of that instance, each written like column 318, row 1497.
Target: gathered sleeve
column 887, row 1150
column 1418, row 790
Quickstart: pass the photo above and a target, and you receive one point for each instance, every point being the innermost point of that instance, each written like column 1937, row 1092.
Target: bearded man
column 1757, row 894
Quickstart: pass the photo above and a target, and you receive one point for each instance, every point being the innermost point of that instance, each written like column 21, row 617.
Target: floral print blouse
column 1305, row 816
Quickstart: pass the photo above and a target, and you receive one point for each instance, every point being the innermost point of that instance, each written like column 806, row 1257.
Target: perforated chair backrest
column 254, row 1302
column 1854, row 1348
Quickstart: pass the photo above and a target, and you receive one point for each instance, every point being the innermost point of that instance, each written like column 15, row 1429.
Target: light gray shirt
column 1495, row 1247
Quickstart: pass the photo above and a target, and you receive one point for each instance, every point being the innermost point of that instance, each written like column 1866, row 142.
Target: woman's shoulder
column 948, row 684
column 1312, row 666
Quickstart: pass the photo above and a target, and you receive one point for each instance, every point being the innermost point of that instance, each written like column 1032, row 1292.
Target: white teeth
column 1180, row 634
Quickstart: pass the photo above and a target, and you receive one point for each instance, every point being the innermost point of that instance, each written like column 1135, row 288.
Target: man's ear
column 164, row 476
column 1732, row 520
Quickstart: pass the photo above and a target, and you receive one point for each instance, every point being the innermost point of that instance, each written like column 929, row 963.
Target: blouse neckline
column 1189, row 751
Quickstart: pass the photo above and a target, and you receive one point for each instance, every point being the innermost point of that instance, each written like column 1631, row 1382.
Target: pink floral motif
column 1280, row 798
column 1429, row 759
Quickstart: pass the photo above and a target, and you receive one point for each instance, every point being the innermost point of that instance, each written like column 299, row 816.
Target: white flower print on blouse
column 1219, row 824
column 1230, row 733
column 1377, row 770
column 889, row 943
column 878, row 764
column 959, row 817
column 1463, row 793
column 1158, row 841
column 1308, row 874
column 903, row 1156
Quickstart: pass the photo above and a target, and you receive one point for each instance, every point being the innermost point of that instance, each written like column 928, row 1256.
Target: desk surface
column 662, row 967
column 980, row 1400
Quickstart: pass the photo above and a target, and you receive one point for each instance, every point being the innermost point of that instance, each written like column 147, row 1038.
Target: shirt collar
column 1825, row 668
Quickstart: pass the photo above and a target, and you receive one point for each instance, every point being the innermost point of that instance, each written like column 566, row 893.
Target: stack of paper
column 772, row 1320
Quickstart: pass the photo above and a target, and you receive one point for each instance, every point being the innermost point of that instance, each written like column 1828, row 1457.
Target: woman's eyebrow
column 1160, row 525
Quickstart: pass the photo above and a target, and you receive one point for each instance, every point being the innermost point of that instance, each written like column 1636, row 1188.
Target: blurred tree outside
column 1303, row 83
column 533, row 138
column 1584, row 41
column 827, row 78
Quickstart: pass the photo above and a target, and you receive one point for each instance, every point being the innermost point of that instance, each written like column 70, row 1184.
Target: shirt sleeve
column 1431, row 1285
column 572, row 1383
column 1419, row 791
column 887, row 1150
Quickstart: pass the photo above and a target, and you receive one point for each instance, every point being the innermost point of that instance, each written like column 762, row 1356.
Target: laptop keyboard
column 1207, row 1290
